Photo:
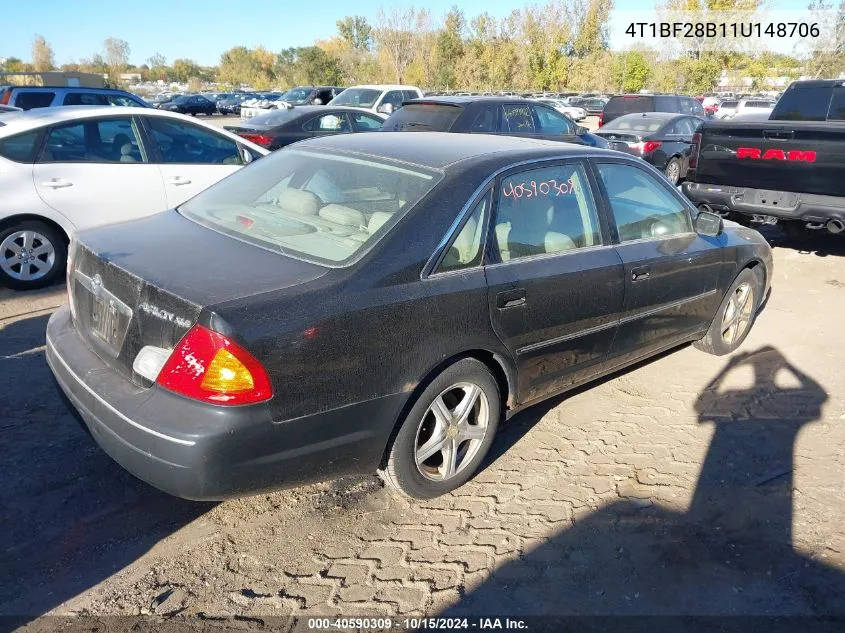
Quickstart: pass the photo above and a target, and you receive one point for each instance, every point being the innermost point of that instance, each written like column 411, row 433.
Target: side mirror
column 246, row 156
column 581, row 130
column 385, row 108
column 708, row 224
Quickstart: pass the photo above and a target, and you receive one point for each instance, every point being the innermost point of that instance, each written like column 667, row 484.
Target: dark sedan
column 190, row 104
column 381, row 302
column 489, row 115
column 231, row 104
column 663, row 139
column 278, row 128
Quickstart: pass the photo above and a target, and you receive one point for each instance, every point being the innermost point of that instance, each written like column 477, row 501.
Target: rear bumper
column 804, row 207
column 196, row 451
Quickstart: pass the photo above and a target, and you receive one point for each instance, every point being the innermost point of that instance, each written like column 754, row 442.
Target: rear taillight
column 207, row 366
column 601, row 118
column 650, row 146
column 6, row 96
column 258, row 139
column 694, row 149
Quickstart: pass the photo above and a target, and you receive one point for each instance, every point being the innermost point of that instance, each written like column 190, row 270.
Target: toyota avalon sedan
column 381, row 302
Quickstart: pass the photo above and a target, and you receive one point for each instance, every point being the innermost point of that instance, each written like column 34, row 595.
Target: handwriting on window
column 533, row 189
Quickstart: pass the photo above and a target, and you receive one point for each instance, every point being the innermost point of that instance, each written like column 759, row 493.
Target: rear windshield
column 20, row 148
column 803, row 103
column 275, row 117
column 728, row 104
column 629, row 104
column 325, row 209
column 422, row 117
column 624, row 124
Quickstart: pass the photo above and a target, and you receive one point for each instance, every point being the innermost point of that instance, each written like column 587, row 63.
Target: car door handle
column 638, row 274
column 510, row 298
column 780, row 135
column 178, row 180
column 57, row 183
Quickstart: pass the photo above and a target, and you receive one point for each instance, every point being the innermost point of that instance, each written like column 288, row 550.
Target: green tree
column 238, row 66
column 183, row 69
column 449, row 48
column 356, row 31
column 631, row 71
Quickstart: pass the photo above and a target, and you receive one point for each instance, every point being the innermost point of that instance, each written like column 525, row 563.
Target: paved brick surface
column 690, row 484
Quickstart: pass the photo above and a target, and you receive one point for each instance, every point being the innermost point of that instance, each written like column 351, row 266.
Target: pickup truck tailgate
column 801, row 157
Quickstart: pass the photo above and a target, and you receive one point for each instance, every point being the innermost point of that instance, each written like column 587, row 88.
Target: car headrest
column 126, row 154
column 298, row 201
column 339, row 214
column 378, row 220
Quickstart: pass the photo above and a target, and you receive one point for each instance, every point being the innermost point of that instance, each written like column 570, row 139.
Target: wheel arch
column 12, row 220
column 501, row 369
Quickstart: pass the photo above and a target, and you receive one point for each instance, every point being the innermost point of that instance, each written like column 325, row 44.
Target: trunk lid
column 147, row 282
column 795, row 156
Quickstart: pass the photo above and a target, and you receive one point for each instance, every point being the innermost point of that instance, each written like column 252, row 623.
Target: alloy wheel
column 451, row 431
column 27, row 255
column 673, row 171
column 738, row 313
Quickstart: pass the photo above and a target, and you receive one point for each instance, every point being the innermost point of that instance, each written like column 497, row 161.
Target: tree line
column 560, row 45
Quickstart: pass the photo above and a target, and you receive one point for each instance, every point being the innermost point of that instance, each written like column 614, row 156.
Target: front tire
column 32, row 255
column 447, row 432
column 736, row 315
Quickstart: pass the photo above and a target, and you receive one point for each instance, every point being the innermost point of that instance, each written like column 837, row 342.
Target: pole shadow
column 729, row 554
column 70, row 517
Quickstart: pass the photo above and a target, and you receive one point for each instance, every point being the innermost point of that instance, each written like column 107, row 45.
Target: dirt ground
column 690, row 484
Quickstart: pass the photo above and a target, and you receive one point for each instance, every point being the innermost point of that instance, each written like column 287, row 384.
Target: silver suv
column 28, row 97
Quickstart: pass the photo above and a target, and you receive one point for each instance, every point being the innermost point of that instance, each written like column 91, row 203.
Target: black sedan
column 369, row 302
column 190, row 104
column 278, row 128
column 231, row 104
column 489, row 115
column 663, row 139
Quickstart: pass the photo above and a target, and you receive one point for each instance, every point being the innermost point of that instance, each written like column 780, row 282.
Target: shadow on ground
column 71, row 517
column 730, row 553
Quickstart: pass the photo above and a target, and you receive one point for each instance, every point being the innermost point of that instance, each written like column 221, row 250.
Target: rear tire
column 447, row 432
column 673, row 171
column 735, row 316
column 32, row 255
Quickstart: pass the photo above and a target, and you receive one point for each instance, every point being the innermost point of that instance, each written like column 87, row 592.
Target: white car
column 382, row 99
column 573, row 112
column 744, row 107
column 75, row 167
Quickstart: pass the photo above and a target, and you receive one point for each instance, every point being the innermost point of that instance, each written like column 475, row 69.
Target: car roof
column 80, row 88
column 439, row 150
column 384, row 87
column 466, row 100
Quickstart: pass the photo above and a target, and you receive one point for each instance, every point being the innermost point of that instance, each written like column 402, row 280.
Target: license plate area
column 107, row 318
column 775, row 199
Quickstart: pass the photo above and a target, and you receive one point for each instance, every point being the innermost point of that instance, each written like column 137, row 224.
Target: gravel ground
column 688, row 485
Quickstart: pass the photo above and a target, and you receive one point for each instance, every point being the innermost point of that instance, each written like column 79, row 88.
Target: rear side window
column 467, row 247
column 629, row 104
column 670, row 104
column 518, row 119
column 804, row 103
column 40, row 99
column 103, row 141
column 20, row 148
column 423, row 117
column 485, row 121
column 84, row 98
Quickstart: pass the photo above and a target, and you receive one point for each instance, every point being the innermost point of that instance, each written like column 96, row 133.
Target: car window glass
column 642, row 206
column 93, row 141
column 552, row 122
column 366, row 123
column 467, row 247
column 684, row 127
column 485, row 121
column 805, row 103
column 410, row 94
column 28, row 100
column 84, row 98
column 20, row 147
column 180, row 142
column 837, row 105
column 547, row 210
column 121, row 100
column 518, row 119
column 394, row 98
column 328, row 123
